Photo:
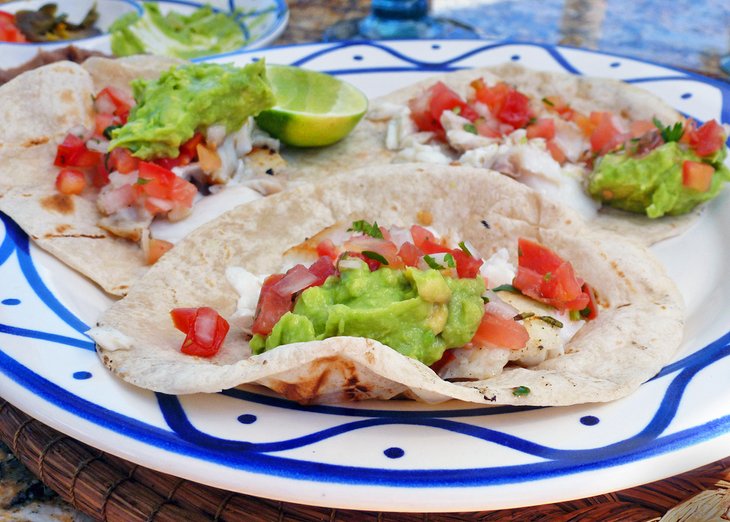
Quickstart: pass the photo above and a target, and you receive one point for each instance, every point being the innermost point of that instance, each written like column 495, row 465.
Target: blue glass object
column 399, row 19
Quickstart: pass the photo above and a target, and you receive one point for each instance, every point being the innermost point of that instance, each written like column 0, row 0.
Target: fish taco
column 466, row 285
column 108, row 164
column 614, row 152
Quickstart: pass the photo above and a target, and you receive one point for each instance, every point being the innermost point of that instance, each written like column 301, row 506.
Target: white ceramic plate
column 397, row 455
column 261, row 21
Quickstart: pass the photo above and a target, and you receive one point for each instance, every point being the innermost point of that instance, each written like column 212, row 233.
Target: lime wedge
column 312, row 109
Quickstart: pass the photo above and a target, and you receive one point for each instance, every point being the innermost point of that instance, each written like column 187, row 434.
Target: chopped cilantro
column 585, row 312
column 574, row 315
column 464, row 248
column 143, row 181
column 546, row 101
column 506, row 288
column 548, row 276
column 485, row 299
column 450, row 260
column 431, row 262
column 523, row 315
column 456, row 110
column 469, row 127
column 520, row 391
column 366, row 228
column 375, row 256
column 551, row 321
column 670, row 132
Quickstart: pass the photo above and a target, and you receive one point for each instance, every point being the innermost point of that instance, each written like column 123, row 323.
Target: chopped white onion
column 349, row 263
column 498, row 307
column 97, row 145
column 298, row 279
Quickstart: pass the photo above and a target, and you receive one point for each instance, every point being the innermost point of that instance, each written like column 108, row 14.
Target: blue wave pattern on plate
column 261, row 457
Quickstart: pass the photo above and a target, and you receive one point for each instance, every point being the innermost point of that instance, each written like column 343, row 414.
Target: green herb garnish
column 520, row 391
column 469, row 127
column 523, row 315
column 431, row 262
column 574, row 315
column 143, row 181
column 449, row 260
column 506, row 288
column 464, row 249
column 456, row 110
column 548, row 276
column 485, row 299
column 548, row 102
column 375, row 256
column 669, row 133
column 366, row 228
column 550, row 320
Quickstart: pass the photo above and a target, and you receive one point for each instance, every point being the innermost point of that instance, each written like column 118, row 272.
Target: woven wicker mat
column 109, row 488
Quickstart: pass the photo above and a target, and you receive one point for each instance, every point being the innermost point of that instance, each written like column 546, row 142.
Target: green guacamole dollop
column 191, row 98
column 652, row 184
column 419, row 313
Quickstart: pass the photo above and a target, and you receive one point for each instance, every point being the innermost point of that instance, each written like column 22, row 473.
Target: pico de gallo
column 145, row 159
column 414, row 292
column 555, row 148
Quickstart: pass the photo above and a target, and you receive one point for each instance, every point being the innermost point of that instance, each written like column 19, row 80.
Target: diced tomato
column 115, row 101
column 183, row 193
column 583, row 122
column 322, row 269
column 555, row 151
column 536, row 257
column 155, row 181
column 156, row 248
column 542, row 128
column 708, row 139
column 493, row 97
column 103, row 121
column 590, row 312
column 72, row 152
column 697, row 175
column 640, row 127
column 409, row 254
column 190, row 147
column 546, row 277
column 426, row 111
column 121, row 160
column 500, row 332
column 182, row 318
column 515, row 110
column 9, row 32
column 100, row 175
column 327, row 248
column 70, row 181
column 466, row 265
column 270, row 307
column 605, row 136
column 205, row 330
column 421, row 234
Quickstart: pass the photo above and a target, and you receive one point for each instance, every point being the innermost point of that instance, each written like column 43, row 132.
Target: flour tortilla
column 636, row 333
column 37, row 109
column 366, row 145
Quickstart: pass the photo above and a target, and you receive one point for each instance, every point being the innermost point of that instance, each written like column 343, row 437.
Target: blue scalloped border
column 187, row 440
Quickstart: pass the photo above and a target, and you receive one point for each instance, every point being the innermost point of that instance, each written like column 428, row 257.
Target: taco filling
column 582, row 158
column 155, row 153
column 408, row 289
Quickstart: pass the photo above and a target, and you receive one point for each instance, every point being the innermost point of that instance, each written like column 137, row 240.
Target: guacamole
column 187, row 99
column 652, row 184
column 201, row 33
column 419, row 313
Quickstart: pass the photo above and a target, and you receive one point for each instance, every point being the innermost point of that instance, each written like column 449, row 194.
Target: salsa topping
column 412, row 291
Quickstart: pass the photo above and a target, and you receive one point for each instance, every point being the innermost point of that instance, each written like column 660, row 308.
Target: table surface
column 646, row 29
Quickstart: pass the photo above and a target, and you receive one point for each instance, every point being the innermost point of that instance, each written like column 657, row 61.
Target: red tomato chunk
column 205, row 330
